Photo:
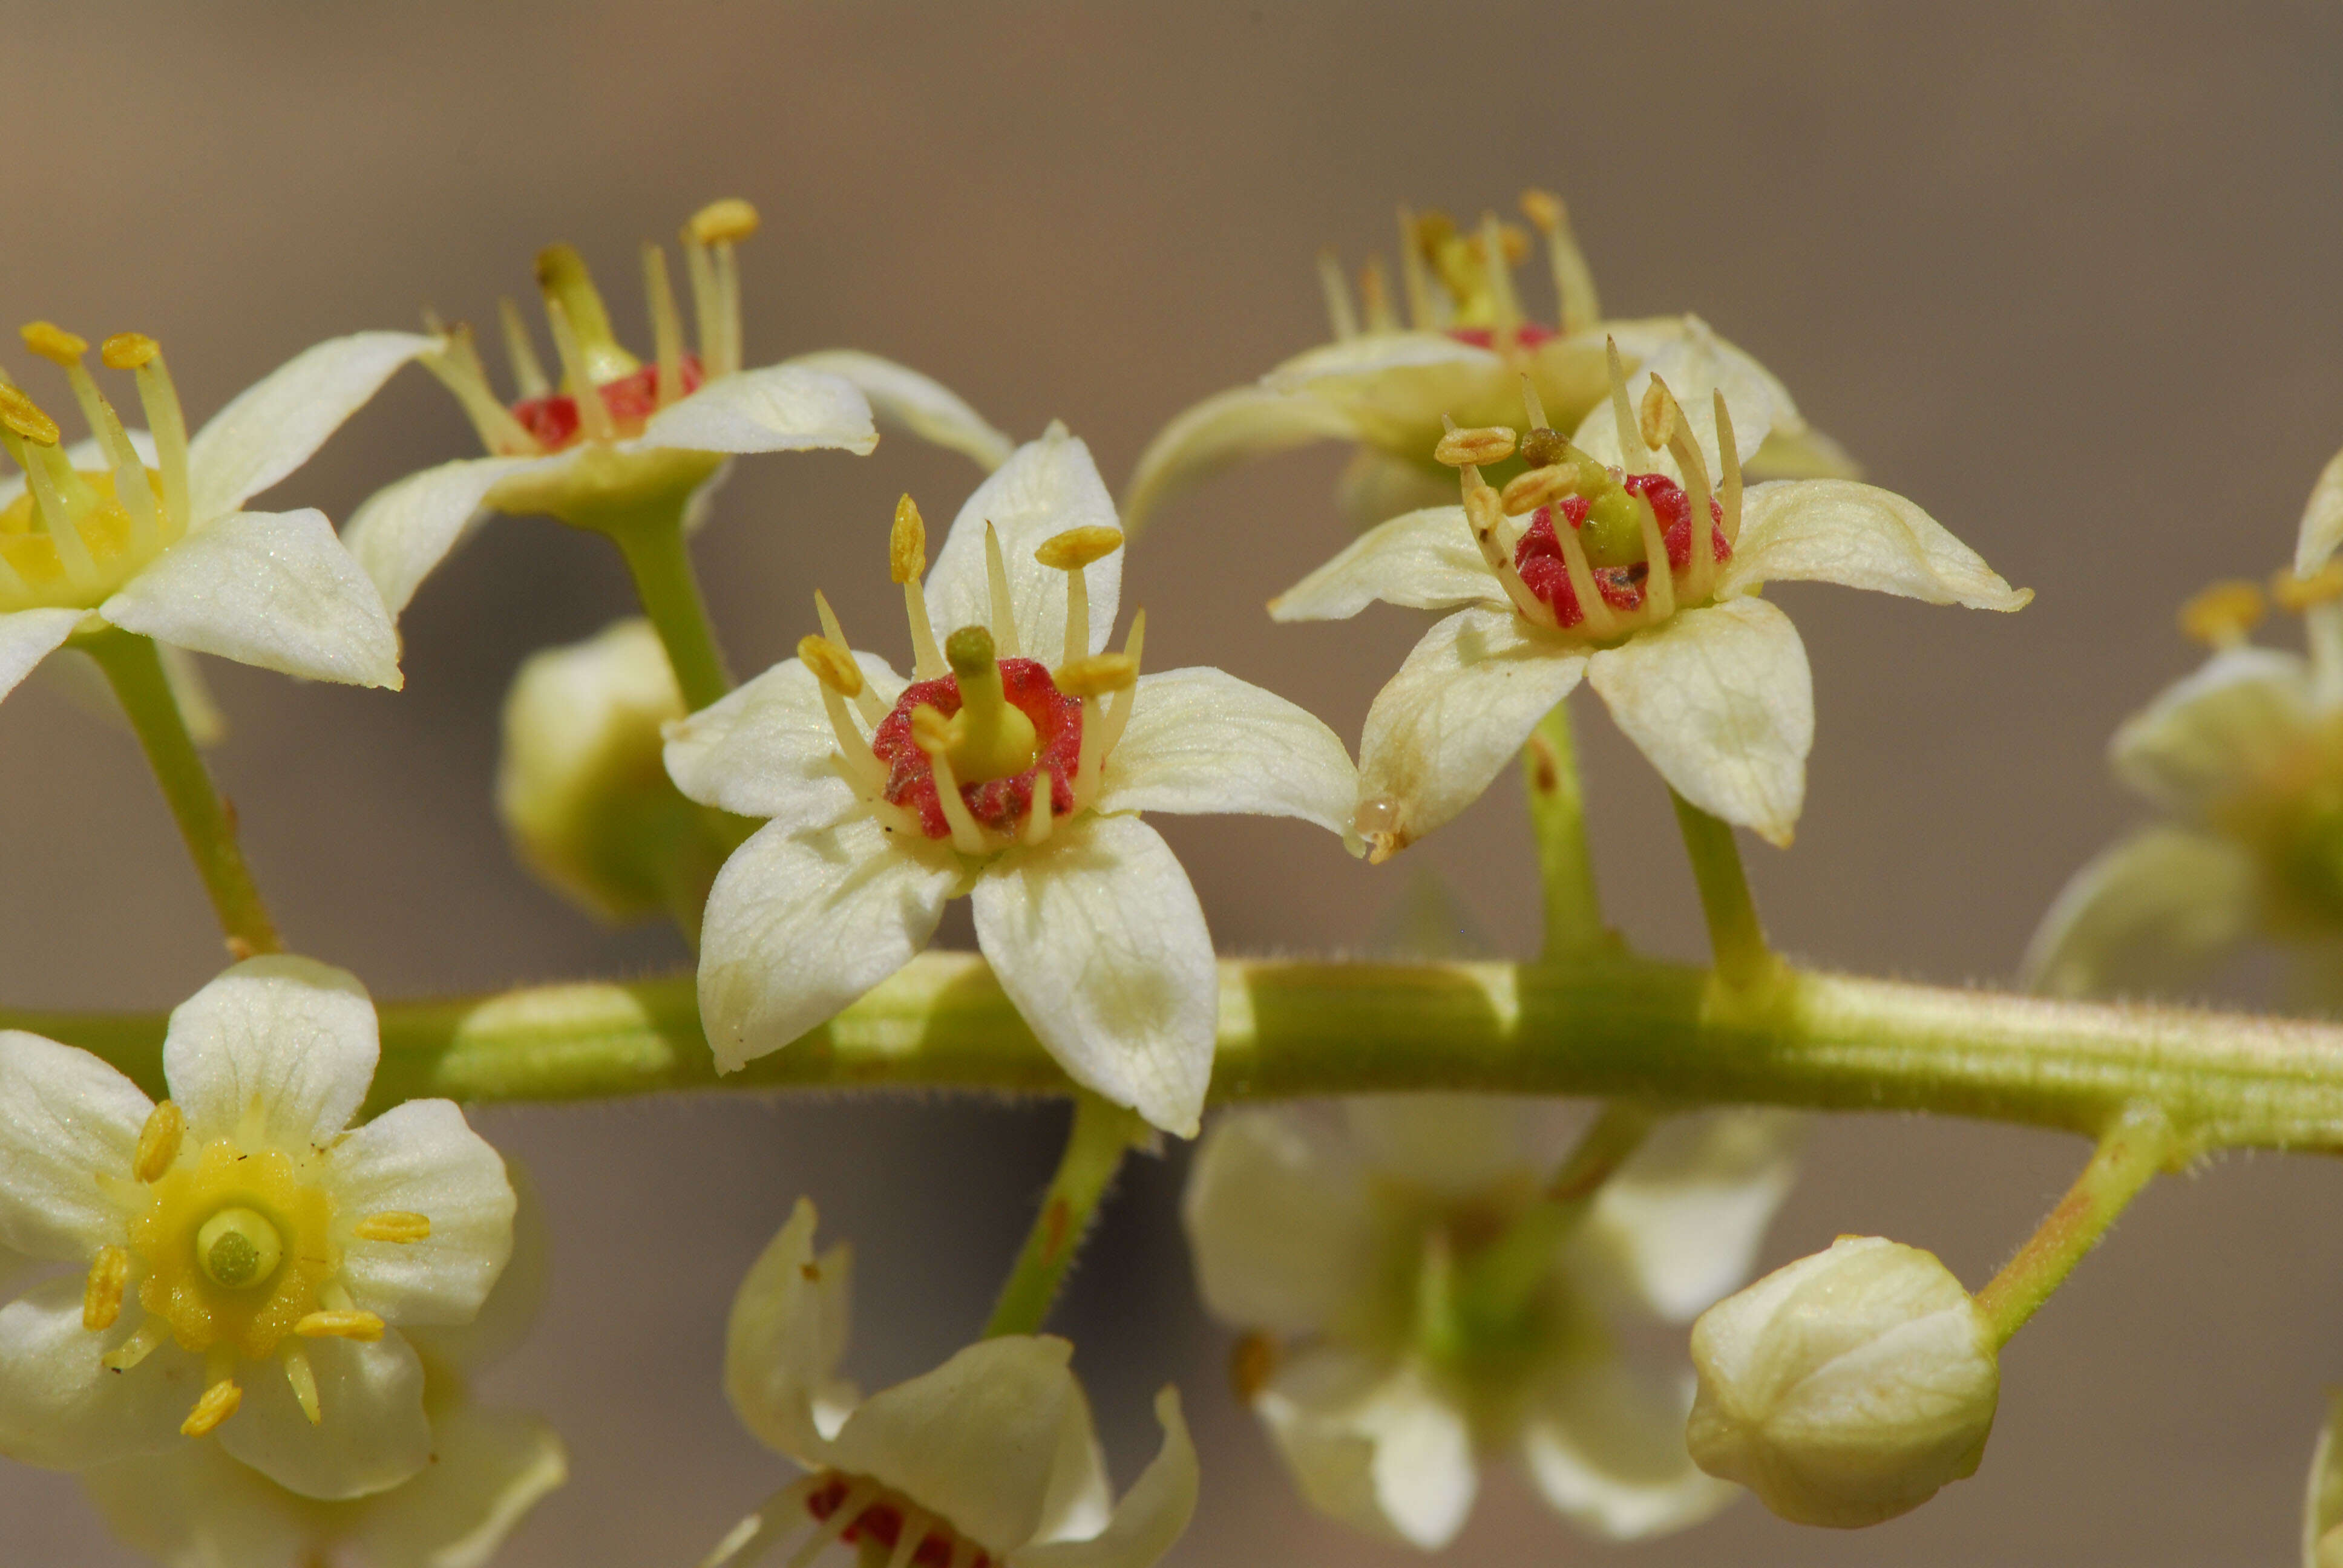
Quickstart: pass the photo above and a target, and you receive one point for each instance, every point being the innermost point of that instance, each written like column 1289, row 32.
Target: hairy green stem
column 134, row 667
column 658, row 557
column 1574, row 914
column 2130, row 1152
column 1101, row 1134
column 1736, row 936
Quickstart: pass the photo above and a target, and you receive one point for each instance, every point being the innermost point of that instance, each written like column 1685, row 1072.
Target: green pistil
column 561, row 274
column 992, row 739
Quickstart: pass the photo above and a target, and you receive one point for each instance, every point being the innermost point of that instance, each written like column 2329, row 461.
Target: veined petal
column 287, row 1042
column 66, row 1118
column 420, row 1158
column 1278, row 1221
column 2149, row 916
column 60, row 1409
column 1454, row 1145
column 801, row 922
column 28, row 637
column 1456, row 714
column 928, row 409
column 404, row 530
column 271, row 589
column 1046, row 487
column 775, row 409
column 1216, row 435
column 492, row 1466
column 275, row 425
column 505, row 1319
column 1721, row 701
column 1424, row 560
column 1099, row 940
column 1372, row 1446
column 1680, row 1223
column 192, row 1506
column 2322, row 520
column 1152, row 1515
column 1606, row 1447
column 2239, row 716
column 766, row 750
column 1833, row 530
column 372, row 1433
column 782, row 1343
column 1376, row 486
column 1202, row 740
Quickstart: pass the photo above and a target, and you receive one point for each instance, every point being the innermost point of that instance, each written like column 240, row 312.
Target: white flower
column 1020, row 786
column 247, row 1264
column 149, row 533
column 653, row 434
column 1463, row 355
column 1846, row 1388
column 1662, row 620
column 988, row 1462
column 2322, row 1502
column 1417, row 1305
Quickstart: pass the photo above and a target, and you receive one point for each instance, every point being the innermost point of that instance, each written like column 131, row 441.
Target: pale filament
column 1685, row 449
column 130, row 487
column 1118, row 717
column 996, row 578
column 927, row 659
column 1573, row 280
column 457, row 365
column 706, row 315
column 41, row 465
column 1500, row 286
column 909, row 1538
column 1078, row 615
column 1374, row 298
column 1337, row 298
column 779, row 1513
column 167, row 423
column 859, row 1496
column 1728, row 453
column 667, row 324
column 866, row 701
column 1037, row 813
column 593, row 413
column 304, row 1379
column 1422, row 310
column 966, row 835
column 528, row 375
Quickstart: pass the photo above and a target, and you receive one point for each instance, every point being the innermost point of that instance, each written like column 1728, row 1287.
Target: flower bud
column 1846, row 1388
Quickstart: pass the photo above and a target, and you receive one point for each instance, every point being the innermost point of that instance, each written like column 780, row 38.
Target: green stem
column 1574, row 914
column 1608, row 1144
column 1736, row 936
column 658, row 557
column 135, row 668
column 1095, row 1144
column 1510, row 1269
column 2129, row 1154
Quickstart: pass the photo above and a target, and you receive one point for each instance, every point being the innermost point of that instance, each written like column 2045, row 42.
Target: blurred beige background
column 2068, row 274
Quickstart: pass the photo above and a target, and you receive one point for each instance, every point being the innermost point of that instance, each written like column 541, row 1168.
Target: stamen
column 1097, row 675
column 1661, row 408
column 1533, row 487
column 1634, row 457
column 963, row 1553
column 667, row 324
column 563, row 277
column 219, row 1402
column 1484, row 511
column 1600, row 620
column 840, row 677
column 704, row 313
column 101, row 1295
column 866, row 701
column 455, row 365
column 166, row 421
column 365, row 1326
column 1072, row 553
column 907, row 562
column 1118, row 717
column 859, row 1496
column 593, row 413
column 728, row 311
column 529, row 373
column 1500, row 273
column 931, row 732
column 158, row 1142
column 1411, row 275
column 1531, row 404
column 909, row 1538
column 1659, row 580
column 47, row 473
column 1728, row 452
column 2298, row 594
column 144, row 1341
column 727, row 221
column 23, row 417
column 1374, row 298
column 64, row 349
column 996, row 580
column 2221, row 613
column 1037, row 812
column 394, row 1225
column 1573, row 280
column 304, row 1379
column 1483, row 444
column 1337, row 298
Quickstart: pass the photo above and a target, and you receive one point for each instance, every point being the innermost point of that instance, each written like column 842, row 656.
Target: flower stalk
column 1102, row 1133
column 1574, row 913
column 2138, row 1144
column 658, row 560
column 1735, row 935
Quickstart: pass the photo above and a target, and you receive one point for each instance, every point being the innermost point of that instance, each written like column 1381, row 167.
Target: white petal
column 1152, row 1515
column 976, row 1439
column 1278, row 1221
column 1424, row 560
column 1457, row 1146
column 1377, row 1449
column 371, row 1433
column 1046, row 487
column 1375, row 486
column 1695, row 364
column 287, row 1040
column 1833, row 530
column 2149, row 916
column 927, row 407
column 28, row 637
column 2233, row 721
column 1457, row 711
column 1607, row 1450
column 1803, row 454
column 2321, row 529
column 271, row 589
column 274, row 426
column 419, row 1158
column 782, row 1343
column 404, row 530
column 1218, row 433
column 504, row 1321
column 1202, row 740
column 1372, row 353
column 490, row 1469
column 66, row 1120
column 61, row 1410
column 801, row 922
column 767, row 749
column 1390, row 390
column 192, row 1506
column 1681, row 1222
column 1721, row 701
column 1099, row 940
column 775, row 408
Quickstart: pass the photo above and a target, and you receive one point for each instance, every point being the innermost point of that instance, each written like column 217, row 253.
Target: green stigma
column 237, row 1248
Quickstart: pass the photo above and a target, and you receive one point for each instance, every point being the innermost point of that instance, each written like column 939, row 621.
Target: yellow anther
column 54, row 343
column 1252, row 1365
column 1484, row 444
column 1543, row 209
column 831, row 665
column 1657, row 420
column 219, row 1402
column 931, row 732
column 393, row 1225
column 1097, row 675
column 364, row 1326
column 907, row 543
column 1078, row 547
column 2298, row 594
column 22, row 415
column 158, row 1142
column 128, row 351
column 2221, row 613
column 101, row 1297
column 1526, row 492
column 721, row 222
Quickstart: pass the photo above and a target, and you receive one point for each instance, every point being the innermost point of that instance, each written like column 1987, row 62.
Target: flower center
column 1009, row 724
column 238, row 1248
column 630, row 400
column 858, row 1510
column 1609, row 526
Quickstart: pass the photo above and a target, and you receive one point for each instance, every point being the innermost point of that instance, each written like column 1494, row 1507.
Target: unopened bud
column 1846, row 1388
column 1484, row 444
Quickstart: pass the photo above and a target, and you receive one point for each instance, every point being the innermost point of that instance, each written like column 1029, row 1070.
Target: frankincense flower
column 1010, row 768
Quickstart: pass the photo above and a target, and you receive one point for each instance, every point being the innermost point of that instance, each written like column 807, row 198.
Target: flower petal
column 420, row 1158
column 1606, row 1447
column 2149, row 916
column 1375, row 486
column 271, row 588
column 1457, row 1146
column 899, row 395
column 768, row 750
column 1695, row 364
column 1390, row 390
column 1218, row 433
column 801, row 922
column 60, row 1409
column 1423, row 560
column 2321, row 529
column 505, row 1319
column 1202, row 740
column 1721, row 701
column 1152, row 1515
column 1099, row 940
column 1833, row 530
column 1805, row 453
column 371, row 1433
column 1278, row 1221
column 288, row 1042
column 775, row 409
column 28, row 637
column 275, row 425
column 404, row 530
column 490, row 1468
column 781, row 1345
column 1046, row 487
column 192, row 1506
column 2231, row 722
column 1376, row 1449
column 66, row 1119
column 1681, row 1222
column 1454, row 715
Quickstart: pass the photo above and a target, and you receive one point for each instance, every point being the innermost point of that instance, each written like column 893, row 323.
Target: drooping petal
column 1721, row 701
column 1424, row 560
column 192, row 1506
column 490, row 1468
column 404, row 530
column 420, row 1158
column 899, row 395
column 2231, row 722
column 66, row 1120
column 287, row 1041
column 1607, row 1448
column 1046, row 487
column 271, row 589
column 1278, row 1221
column 1375, row 487
column 1456, row 714
column 2321, row 529
column 1202, row 740
column 1216, row 435
column 1152, row 1515
column 1833, row 530
column 274, row 426
column 1374, row 1447
column 61, row 1409
column 1080, row 1503
column 1695, row 364
column 2149, row 916
column 801, row 922
column 1098, row 938
column 781, row 1345
column 1680, row 1223
column 1390, row 390
column 28, row 637
column 1454, row 1145
column 766, row 750
column 371, row 1433
column 775, row 409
